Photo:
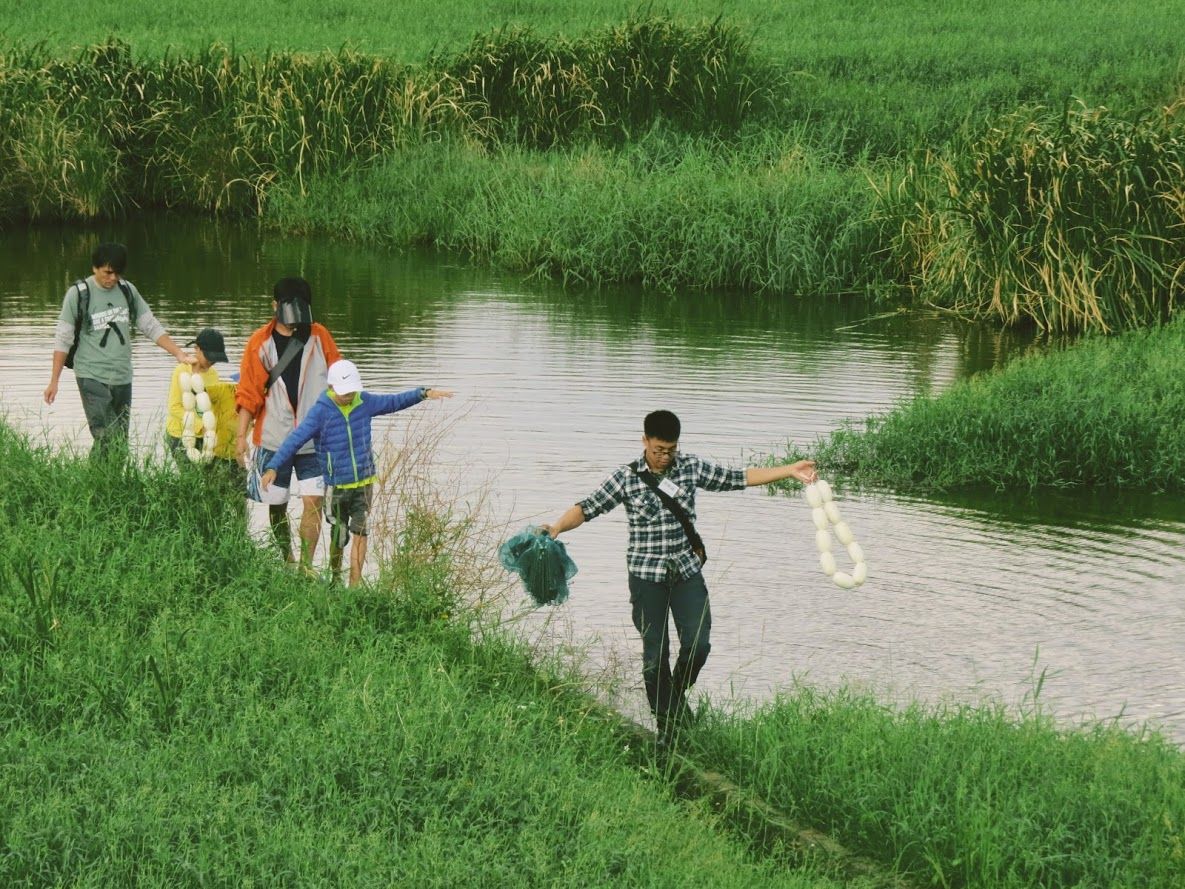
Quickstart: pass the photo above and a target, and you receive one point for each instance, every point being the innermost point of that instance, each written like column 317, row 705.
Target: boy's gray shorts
column 348, row 509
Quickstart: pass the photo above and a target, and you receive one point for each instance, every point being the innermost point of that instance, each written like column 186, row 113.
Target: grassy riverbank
column 179, row 709
column 1109, row 411
column 671, row 211
column 963, row 796
column 789, row 151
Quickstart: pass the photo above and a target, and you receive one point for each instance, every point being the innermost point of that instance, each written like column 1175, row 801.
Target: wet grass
column 178, row 709
column 1108, row 412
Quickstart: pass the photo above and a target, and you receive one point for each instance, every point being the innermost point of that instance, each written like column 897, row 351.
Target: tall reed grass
column 536, row 91
column 881, row 77
column 103, row 131
column 1067, row 220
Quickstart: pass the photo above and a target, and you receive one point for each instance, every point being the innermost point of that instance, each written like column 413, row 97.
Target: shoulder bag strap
column 697, row 542
column 294, row 348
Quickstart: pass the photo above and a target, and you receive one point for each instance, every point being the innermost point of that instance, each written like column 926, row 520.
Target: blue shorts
column 309, row 482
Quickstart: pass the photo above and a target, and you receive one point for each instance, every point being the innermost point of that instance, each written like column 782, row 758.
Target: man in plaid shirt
column 665, row 576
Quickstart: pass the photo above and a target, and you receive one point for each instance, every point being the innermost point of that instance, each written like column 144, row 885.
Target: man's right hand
column 51, row 392
column 267, row 478
column 241, row 450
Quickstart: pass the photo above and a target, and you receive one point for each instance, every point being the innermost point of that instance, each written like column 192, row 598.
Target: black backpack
column 84, row 304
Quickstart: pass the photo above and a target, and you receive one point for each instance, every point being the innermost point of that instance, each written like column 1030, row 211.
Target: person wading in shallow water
column 282, row 374
column 341, row 422
column 665, row 556
column 94, row 336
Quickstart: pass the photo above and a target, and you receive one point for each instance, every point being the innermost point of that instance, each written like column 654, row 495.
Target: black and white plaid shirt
column 658, row 549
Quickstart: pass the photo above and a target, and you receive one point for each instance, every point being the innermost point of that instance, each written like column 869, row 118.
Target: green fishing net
column 543, row 564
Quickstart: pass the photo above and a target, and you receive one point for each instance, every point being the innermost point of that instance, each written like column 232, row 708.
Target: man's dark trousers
column 687, row 601
column 108, row 410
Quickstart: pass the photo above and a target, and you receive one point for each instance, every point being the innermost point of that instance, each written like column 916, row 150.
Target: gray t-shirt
column 105, row 342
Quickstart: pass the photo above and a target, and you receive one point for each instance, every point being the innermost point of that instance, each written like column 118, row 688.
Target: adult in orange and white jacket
column 270, row 414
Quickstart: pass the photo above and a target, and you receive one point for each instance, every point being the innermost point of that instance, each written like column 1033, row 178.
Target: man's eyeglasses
column 665, row 452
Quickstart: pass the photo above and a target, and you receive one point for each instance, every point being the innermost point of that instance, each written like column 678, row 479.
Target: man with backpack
column 94, row 338
column 282, row 375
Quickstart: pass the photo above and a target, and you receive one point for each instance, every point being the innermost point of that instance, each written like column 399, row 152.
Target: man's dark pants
column 108, row 412
column 687, row 601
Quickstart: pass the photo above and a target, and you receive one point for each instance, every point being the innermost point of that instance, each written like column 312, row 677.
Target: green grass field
column 965, row 796
column 894, row 73
column 180, row 709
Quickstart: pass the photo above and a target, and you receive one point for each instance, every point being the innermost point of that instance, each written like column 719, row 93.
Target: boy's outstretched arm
column 803, row 471
column 389, row 404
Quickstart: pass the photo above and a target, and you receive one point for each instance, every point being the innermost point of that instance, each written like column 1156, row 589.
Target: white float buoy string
column 827, row 519
column 196, row 400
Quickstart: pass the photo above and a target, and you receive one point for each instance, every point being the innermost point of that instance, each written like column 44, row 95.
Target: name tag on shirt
column 669, row 488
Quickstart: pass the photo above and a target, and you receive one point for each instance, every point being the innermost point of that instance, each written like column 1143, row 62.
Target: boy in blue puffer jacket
column 340, row 420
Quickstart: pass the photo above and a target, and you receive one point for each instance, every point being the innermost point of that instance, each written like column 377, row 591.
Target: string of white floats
column 825, row 513
column 196, row 401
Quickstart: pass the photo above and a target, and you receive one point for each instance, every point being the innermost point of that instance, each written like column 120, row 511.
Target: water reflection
column 965, row 591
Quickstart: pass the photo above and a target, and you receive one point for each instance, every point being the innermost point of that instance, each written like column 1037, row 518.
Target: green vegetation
column 772, row 214
column 965, row 796
column 213, row 131
column 1070, row 219
column 795, row 151
column 178, row 709
column 1107, row 412
column 893, row 74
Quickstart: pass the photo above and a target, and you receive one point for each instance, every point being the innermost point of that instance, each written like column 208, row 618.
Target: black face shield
column 294, row 312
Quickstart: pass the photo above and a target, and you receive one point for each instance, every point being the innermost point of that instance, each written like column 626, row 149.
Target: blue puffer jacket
column 343, row 434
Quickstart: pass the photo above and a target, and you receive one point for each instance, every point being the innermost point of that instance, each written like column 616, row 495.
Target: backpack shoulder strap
column 127, row 294
column 84, row 300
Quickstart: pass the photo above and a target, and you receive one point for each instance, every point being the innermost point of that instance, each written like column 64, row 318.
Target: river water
column 969, row 598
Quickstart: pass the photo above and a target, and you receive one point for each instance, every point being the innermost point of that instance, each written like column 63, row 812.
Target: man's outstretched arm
column 803, row 471
column 573, row 517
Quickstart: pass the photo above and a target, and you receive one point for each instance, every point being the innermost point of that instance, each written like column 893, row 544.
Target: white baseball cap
column 344, row 377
